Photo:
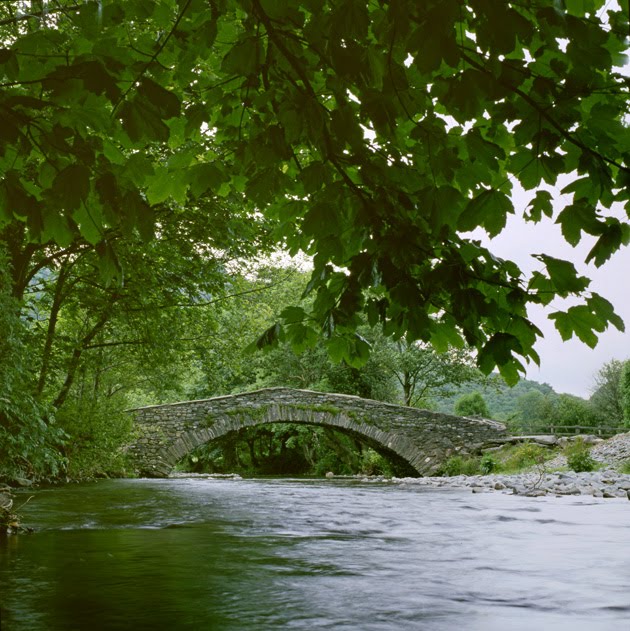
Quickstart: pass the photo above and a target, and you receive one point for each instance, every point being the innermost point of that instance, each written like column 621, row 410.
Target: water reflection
column 283, row 554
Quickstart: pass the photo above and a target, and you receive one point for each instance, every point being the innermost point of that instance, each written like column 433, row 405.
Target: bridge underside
column 400, row 465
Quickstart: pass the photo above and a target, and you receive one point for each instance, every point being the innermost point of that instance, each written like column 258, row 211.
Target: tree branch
column 545, row 114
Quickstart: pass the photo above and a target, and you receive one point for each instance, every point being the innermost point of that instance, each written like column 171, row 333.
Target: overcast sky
column 568, row 366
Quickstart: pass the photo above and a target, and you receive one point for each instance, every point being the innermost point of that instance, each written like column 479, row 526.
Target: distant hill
column 500, row 397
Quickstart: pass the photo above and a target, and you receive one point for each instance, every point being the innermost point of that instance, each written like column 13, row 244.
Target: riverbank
column 606, row 484
column 547, row 478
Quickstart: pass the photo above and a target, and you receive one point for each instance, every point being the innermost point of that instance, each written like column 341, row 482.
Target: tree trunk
column 78, row 351
column 52, row 324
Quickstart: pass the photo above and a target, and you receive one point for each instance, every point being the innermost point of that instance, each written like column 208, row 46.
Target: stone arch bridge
column 420, row 438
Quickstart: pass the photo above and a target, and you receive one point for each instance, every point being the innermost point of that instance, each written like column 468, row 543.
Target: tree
column 374, row 136
column 607, row 395
column 536, row 411
column 625, row 392
column 472, row 404
column 423, row 374
column 571, row 410
column 28, row 445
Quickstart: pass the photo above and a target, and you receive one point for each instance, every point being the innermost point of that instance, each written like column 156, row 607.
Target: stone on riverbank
column 9, row 520
column 607, row 484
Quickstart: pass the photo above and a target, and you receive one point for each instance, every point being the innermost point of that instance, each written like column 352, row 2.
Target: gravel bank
column 612, row 452
column 607, row 483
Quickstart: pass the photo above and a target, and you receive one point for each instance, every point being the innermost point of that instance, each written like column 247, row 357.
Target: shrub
column 487, row 464
column 453, row 466
column 579, row 456
column 624, row 467
column 372, row 463
column 524, row 456
column 457, row 465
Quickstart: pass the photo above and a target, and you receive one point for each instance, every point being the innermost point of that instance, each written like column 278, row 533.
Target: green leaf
column 321, row 220
column 579, row 216
column 489, row 209
column 108, row 262
column 138, row 167
column 445, row 336
column 359, row 351
column 292, row 315
column 243, row 58
column 604, row 311
column 142, row 215
column 268, row 340
column 580, row 8
column 563, row 275
column 72, row 186
column 90, row 223
column 446, row 204
column 338, row 348
column 498, row 351
column 540, row 205
column 56, row 228
column 579, row 321
column 313, row 176
column 351, row 20
column 525, row 166
column 165, row 102
column 142, row 122
column 463, row 98
column 614, row 235
column 205, row 177
column 375, row 67
column 543, row 287
column 9, row 63
column 582, row 189
column 352, row 349
column 301, row 337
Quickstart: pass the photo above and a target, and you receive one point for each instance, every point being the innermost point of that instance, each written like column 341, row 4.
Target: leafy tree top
column 472, row 404
column 374, row 135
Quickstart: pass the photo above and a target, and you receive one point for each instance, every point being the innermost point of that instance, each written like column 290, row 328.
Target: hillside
column 500, row 397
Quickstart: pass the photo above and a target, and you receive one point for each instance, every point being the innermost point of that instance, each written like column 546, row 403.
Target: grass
column 508, row 459
column 522, row 457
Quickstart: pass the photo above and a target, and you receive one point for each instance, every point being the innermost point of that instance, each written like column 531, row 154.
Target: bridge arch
column 420, row 438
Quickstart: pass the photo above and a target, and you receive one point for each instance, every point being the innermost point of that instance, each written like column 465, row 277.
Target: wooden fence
column 572, row 430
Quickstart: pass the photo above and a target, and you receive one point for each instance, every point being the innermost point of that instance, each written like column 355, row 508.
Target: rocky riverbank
column 547, row 479
column 9, row 519
column 611, row 452
column 607, row 483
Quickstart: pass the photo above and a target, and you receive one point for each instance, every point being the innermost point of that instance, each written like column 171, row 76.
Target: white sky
column 567, row 366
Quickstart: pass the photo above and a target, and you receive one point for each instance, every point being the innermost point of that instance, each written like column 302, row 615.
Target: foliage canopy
column 370, row 135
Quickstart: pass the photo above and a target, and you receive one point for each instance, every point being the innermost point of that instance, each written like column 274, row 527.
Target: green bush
column 579, row 456
column 96, row 433
column 453, row 466
column 525, row 456
column 372, row 463
column 625, row 467
column 487, row 464
column 457, row 465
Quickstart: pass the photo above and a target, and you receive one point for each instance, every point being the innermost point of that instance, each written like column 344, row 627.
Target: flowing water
column 200, row 553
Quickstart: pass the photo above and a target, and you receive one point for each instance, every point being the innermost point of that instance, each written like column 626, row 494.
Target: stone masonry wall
column 424, row 439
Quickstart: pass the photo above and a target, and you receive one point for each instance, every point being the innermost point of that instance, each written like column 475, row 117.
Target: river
column 219, row 554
